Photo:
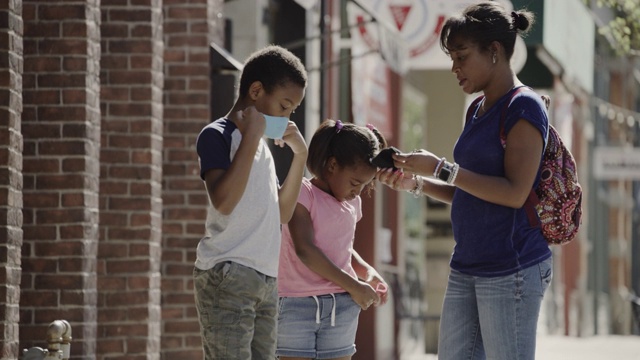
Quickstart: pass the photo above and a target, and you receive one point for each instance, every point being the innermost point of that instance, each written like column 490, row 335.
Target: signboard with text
column 616, row 163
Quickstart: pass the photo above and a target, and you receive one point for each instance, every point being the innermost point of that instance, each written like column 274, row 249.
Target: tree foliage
column 624, row 29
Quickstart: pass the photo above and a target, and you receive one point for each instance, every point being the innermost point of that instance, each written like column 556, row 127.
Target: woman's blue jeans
column 493, row 318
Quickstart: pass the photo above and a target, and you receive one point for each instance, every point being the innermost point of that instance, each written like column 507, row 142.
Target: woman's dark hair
column 272, row 66
column 485, row 23
column 349, row 144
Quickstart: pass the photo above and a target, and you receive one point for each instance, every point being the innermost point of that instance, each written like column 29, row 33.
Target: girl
column 322, row 281
column 501, row 266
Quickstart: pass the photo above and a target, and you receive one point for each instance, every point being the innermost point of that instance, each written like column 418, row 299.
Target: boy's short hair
column 273, row 66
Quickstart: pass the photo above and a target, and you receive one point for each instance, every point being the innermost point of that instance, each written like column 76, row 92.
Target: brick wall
column 189, row 27
column 101, row 206
column 11, row 174
column 130, row 180
column 60, row 124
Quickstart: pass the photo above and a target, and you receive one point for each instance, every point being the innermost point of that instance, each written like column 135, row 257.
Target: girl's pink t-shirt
column 334, row 225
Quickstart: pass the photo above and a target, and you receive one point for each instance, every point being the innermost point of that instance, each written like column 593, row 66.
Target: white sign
column 377, row 34
column 616, row 163
column 420, row 23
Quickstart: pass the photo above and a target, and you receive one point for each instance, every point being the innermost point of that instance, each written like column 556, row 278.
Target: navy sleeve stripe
column 214, row 146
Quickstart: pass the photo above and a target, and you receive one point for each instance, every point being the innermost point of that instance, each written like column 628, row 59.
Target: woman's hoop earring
column 493, row 58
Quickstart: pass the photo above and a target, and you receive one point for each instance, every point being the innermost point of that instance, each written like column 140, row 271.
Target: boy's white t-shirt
column 250, row 235
column 334, row 224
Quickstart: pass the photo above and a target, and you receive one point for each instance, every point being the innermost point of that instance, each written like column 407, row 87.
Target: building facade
column 102, row 206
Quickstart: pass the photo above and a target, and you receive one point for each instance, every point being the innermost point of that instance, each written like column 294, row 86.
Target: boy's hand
column 293, row 138
column 250, row 122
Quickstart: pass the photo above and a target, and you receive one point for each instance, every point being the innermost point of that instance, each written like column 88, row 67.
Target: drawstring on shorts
column 333, row 310
column 317, row 309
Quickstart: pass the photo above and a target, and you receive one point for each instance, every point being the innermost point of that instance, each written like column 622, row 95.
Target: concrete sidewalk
column 551, row 347
column 588, row 348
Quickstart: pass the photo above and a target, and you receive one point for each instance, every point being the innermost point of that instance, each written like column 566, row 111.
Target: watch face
column 384, row 159
column 444, row 173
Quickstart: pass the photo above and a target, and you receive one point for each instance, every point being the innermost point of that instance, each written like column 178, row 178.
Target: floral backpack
column 555, row 204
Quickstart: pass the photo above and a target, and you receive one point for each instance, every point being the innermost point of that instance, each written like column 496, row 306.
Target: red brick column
column 61, row 126
column 130, row 180
column 11, row 65
column 189, row 27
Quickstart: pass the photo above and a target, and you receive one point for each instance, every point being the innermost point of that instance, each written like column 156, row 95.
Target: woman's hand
column 419, row 162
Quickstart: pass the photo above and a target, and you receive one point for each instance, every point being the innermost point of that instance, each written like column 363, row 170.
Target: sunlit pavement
column 588, row 348
column 572, row 348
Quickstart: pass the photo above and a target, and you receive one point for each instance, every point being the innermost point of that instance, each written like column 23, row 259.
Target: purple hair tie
column 371, row 127
column 339, row 126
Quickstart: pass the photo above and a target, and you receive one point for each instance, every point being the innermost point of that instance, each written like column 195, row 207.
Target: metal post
column 65, row 345
column 635, row 248
column 54, row 339
column 58, row 343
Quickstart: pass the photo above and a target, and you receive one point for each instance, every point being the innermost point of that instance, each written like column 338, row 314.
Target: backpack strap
column 530, row 208
column 532, row 200
column 503, row 115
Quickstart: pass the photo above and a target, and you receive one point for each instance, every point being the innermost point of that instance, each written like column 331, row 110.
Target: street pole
column 635, row 237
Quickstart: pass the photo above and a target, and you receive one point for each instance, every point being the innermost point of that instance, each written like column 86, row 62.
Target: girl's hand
column 382, row 288
column 396, row 180
column 364, row 295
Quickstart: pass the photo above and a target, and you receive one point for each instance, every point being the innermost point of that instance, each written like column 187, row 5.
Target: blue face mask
column 276, row 125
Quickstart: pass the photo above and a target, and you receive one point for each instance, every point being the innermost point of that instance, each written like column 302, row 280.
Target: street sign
column 379, row 35
column 616, row 163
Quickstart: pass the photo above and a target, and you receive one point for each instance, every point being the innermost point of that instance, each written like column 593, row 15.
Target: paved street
column 588, row 348
column 572, row 348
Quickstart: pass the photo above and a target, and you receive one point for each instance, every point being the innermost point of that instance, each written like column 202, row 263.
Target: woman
column 501, row 266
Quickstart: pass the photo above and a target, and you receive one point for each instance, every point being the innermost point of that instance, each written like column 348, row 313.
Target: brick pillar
column 11, row 174
column 61, row 126
column 189, row 27
column 130, row 184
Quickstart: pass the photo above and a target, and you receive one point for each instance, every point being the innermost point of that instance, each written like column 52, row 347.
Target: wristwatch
column 445, row 172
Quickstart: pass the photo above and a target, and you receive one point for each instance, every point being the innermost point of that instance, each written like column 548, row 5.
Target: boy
column 237, row 259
